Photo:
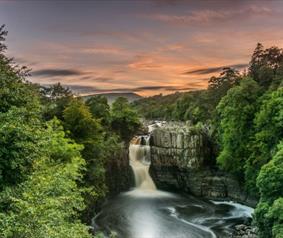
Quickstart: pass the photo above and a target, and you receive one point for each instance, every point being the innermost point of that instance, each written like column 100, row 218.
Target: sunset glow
column 146, row 47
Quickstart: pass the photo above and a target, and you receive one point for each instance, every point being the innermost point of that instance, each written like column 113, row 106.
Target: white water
column 146, row 212
column 239, row 210
column 140, row 161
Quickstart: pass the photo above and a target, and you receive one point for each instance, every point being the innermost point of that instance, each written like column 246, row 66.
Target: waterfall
column 139, row 154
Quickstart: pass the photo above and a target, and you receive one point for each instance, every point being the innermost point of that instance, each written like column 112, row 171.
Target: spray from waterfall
column 139, row 154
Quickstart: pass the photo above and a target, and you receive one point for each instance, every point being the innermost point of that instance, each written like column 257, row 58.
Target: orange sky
column 147, row 47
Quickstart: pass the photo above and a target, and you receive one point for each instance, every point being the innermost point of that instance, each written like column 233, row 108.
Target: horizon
column 143, row 47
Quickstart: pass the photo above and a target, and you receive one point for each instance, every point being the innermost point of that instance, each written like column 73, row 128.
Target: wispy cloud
column 56, row 72
column 210, row 70
column 211, row 16
column 103, row 50
column 144, row 62
column 86, row 89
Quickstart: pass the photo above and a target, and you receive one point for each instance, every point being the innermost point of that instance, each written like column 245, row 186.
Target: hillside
column 111, row 97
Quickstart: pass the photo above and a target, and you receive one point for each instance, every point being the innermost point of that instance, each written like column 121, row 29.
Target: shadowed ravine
column 146, row 212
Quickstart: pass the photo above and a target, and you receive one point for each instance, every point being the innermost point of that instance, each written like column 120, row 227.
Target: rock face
column 119, row 174
column 244, row 231
column 180, row 146
column 182, row 159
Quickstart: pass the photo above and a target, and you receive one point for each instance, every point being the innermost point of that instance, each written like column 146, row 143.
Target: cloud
column 144, row 62
column 96, row 79
column 85, row 89
column 215, row 69
column 56, row 72
column 104, row 50
column 211, row 16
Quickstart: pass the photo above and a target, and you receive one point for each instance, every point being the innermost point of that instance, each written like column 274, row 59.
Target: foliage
column 236, row 112
column 268, row 213
column 158, row 106
column 14, row 90
column 20, row 133
column 219, row 86
column 194, row 106
column 266, row 64
column 47, row 203
column 55, row 99
column 99, row 109
column 268, row 132
column 40, row 169
column 124, row 120
column 87, row 131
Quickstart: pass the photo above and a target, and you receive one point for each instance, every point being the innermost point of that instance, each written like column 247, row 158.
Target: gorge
column 146, row 211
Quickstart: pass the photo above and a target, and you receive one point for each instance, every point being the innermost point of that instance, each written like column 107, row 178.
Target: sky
column 142, row 46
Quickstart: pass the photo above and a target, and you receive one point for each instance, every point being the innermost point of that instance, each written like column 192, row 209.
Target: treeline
column 245, row 112
column 53, row 151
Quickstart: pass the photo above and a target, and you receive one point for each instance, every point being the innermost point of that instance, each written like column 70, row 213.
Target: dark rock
column 119, row 174
column 182, row 159
column 241, row 231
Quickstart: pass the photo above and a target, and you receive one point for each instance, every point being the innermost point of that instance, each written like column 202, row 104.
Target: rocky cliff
column 182, row 159
column 119, row 174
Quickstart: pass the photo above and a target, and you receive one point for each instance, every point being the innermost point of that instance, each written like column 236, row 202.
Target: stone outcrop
column 182, row 159
column 119, row 174
column 179, row 145
column 244, row 231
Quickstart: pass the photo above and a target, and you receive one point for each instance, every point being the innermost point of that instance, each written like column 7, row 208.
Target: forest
column 53, row 151
column 54, row 145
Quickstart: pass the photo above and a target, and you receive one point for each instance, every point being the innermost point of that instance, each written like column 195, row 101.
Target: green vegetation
column 245, row 115
column 236, row 111
column 123, row 119
column 53, row 151
column 54, row 146
column 269, row 212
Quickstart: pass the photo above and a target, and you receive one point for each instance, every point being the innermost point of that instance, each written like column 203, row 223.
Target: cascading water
column 146, row 212
column 139, row 154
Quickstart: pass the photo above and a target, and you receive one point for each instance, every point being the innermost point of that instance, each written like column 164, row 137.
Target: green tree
column 266, row 64
column 124, row 120
column 40, row 169
column 99, row 109
column 219, row 86
column 55, row 99
column 268, row 133
column 20, row 133
column 236, row 111
column 14, row 90
column 46, row 204
column 268, row 213
column 86, row 130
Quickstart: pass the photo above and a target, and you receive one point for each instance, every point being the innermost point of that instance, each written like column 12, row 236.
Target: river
column 146, row 212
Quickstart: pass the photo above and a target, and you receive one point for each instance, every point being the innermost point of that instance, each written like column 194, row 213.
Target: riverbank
column 148, row 212
column 183, row 159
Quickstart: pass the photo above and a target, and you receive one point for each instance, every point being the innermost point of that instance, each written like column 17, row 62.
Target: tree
column 99, row 109
column 124, row 120
column 86, row 130
column 46, row 204
column 236, row 111
column 40, row 169
column 193, row 106
column 80, row 123
column 21, row 133
column 265, row 65
column 55, row 99
column 268, row 213
column 14, row 90
column 268, row 132
column 219, row 86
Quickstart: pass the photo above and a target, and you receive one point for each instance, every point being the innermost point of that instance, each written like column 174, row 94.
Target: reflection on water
column 146, row 212
column 158, row 214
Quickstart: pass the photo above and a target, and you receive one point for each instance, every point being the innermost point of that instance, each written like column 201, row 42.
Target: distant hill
column 111, row 97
